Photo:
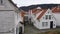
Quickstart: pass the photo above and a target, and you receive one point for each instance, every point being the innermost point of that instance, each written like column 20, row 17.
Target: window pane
column 44, row 24
column 46, row 16
column 49, row 16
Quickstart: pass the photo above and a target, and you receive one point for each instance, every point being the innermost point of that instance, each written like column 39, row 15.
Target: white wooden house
column 20, row 26
column 56, row 13
column 43, row 18
column 8, row 17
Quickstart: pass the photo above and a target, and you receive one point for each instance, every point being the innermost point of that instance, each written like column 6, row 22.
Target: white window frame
column 46, row 17
column 49, row 16
column 44, row 24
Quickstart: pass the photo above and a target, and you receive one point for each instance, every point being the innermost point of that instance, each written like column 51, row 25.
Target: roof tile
column 43, row 12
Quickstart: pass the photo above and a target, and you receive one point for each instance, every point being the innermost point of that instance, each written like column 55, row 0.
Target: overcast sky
column 30, row 2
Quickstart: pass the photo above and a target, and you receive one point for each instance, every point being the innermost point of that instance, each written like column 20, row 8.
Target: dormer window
column 1, row 2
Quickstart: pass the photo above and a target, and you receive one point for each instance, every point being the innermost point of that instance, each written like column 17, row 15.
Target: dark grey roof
column 26, row 8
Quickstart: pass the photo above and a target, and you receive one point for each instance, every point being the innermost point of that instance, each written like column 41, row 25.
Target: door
column 51, row 24
column 20, row 30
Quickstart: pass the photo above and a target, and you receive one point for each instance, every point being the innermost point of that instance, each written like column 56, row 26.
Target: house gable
column 46, row 15
column 36, row 12
column 8, row 18
column 49, row 11
column 7, row 5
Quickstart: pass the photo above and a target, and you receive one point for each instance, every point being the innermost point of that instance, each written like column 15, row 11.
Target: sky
column 34, row 2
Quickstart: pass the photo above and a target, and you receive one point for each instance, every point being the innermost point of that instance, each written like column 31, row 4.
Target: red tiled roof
column 43, row 12
column 35, row 11
column 56, row 9
column 22, row 13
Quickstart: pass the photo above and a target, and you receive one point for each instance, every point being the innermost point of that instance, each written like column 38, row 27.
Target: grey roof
column 26, row 8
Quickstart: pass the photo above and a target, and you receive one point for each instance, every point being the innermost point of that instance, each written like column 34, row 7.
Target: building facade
column 43, row 18
column 8, row 17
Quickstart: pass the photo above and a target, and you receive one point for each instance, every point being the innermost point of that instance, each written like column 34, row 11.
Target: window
column 1, row 2
column 46, row 16
column 49, row 16
column 44, row 24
